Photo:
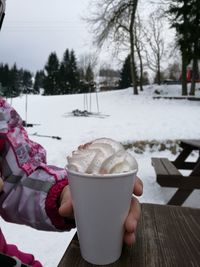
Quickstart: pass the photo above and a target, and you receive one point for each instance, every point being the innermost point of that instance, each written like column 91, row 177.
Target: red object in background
column 189, row 75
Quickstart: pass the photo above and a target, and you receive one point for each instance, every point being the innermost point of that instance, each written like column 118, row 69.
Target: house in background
column 108, row 79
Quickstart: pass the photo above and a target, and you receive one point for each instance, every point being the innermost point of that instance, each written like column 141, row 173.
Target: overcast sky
column 34, row 28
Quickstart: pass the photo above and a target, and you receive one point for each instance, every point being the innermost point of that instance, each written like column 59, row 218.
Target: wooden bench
column 169, row 176
column 167, row 173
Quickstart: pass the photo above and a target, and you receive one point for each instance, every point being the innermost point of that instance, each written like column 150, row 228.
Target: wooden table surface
column 195, row 143
column 166, row 236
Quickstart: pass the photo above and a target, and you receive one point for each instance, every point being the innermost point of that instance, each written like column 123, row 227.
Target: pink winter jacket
column 31, row 188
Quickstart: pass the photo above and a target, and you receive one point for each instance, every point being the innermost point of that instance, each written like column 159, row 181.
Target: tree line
column 63, row 77
column 15, row 81
column 57, row 77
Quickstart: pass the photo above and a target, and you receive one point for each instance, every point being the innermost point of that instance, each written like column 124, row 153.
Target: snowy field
column 124, row 117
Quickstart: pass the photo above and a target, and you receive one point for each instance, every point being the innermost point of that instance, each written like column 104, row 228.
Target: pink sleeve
column 31, row 187
column 13, row 251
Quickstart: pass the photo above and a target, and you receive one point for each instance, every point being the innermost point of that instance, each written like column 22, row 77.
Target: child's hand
column 134, row 214
column 66, row 210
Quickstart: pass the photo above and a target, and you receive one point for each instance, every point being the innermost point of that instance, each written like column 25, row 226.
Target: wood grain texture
column 167, row 236
column 165, row 167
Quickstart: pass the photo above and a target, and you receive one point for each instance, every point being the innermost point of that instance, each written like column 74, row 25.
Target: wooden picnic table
column 169, row 175
column 188, row 145
column 167, row 236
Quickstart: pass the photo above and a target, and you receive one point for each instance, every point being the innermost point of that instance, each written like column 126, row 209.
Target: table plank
column 166, row 236
column 195, row 143
column 165, row 167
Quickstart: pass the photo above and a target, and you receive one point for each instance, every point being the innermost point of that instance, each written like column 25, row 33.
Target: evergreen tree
column 51, row 80
column 27, row 82
column 4, row 79
column 185, row 18
column 64, row 73
column 73, row 73
column 39, row 81
column 9, row 79
column 68, row 73
column 62, row 79
column 21, row 77
column 14, row 82
column 4, row 75
column 126, row 79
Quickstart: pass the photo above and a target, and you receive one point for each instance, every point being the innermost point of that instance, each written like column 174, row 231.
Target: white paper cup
column 101, row 204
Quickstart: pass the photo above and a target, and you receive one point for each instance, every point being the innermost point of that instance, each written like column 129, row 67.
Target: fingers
column 138, row 187
column 131, row 221
column 134, row 214
column 66, row 208
column 129, row 238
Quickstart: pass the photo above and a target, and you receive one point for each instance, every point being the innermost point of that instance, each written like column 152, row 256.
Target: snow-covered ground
column 124, row 117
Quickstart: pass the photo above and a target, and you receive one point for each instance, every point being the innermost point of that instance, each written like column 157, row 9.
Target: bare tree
column 156, row 45
column 113, row 20
column 86, row 60
column 140, row 47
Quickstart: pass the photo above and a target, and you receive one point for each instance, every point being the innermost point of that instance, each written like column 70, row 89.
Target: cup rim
column 97, row 175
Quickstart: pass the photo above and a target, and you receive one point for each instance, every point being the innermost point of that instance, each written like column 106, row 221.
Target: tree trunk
column 184, row 73
column 193, row 83
column 159, row 74
column 138, row 50
column 132, row 54
column 195, row 71
column 141, row 70
column 133, row 72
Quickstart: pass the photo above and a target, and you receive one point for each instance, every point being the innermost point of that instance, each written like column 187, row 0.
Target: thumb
column 66, row 207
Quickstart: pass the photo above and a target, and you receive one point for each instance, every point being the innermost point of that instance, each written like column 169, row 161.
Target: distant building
column 106, row 83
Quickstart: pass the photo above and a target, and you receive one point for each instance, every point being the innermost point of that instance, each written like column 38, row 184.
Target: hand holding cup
column 130, row 225
column 101, row 177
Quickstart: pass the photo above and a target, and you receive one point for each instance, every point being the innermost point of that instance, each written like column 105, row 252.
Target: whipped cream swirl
column 101, row 156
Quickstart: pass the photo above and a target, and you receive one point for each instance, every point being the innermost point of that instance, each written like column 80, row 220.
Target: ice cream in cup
column 101, row 178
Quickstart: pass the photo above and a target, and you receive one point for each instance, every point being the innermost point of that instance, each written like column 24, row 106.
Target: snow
column 129, row 118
